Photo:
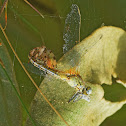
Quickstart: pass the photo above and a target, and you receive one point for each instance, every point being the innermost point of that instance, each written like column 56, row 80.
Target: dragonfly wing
column 33, row 69
column 71, row 33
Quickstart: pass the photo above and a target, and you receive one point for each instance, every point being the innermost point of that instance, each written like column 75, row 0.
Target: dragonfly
column 45, row 60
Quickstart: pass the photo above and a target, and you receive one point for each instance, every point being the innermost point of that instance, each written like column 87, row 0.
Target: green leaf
column 10, row 109
column 100, row 56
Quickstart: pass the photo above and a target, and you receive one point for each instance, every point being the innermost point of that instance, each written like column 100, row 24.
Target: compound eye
column 88, row 90
column 83, row 90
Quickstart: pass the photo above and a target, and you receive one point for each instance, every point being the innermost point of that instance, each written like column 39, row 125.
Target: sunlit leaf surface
column 97, row 65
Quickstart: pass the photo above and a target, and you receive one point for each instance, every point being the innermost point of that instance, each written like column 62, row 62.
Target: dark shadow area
column 121, row 60
column 115, row 92
column 116, row 119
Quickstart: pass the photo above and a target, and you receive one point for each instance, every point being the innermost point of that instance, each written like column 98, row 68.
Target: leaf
column 106, row 58
column 10, row 109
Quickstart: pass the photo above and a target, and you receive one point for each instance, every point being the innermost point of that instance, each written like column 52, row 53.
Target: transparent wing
column 34, row 70
column 71, row 33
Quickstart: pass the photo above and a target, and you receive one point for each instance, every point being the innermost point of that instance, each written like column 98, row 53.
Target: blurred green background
column 26, row 29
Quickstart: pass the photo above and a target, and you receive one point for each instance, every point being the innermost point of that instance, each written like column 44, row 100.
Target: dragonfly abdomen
column 44, row 69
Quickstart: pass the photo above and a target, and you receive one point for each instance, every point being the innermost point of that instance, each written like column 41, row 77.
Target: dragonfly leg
column 74, row 96
column 78, row 96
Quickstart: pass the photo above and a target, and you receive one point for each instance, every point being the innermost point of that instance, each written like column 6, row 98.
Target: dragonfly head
column 87, row 90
